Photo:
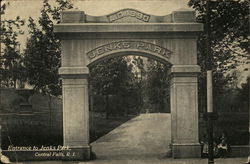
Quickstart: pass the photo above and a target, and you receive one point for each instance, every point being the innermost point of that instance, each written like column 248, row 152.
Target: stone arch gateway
column 88, row 39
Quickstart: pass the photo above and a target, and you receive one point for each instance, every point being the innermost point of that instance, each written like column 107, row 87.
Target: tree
column 140, row 74
column 229, row 32
column 158, row 85
column 229, row 27
column 43, row 53
column 112, row 77
column 245, row 91
column 11, row 68
column 229, row 41
column 112, row 72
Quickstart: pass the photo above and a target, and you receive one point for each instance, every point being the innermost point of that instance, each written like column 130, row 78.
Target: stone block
column 186, row 150
column 73, row 70
column 183, row 16
column 185, row 69
column 240, row 150
column 72, row 16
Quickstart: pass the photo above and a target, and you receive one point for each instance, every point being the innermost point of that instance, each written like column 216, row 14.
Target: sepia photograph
column 124, row 82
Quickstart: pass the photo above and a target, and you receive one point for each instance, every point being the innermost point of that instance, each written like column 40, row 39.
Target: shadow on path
column 145, row 136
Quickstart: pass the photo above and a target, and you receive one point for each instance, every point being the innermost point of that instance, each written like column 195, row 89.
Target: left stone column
column 75, row 112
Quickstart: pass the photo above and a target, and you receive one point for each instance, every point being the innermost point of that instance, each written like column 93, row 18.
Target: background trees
column 229, row 25
column 42, row 53
column 42, row 56
column 112, row 79
column 157, row 86
column 229, row 41
column 11, row 68
column 114, row 74
column 229, row 32
column 134, row 84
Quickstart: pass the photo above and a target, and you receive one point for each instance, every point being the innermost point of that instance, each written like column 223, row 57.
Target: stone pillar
column 76, row 112
column 184, row 111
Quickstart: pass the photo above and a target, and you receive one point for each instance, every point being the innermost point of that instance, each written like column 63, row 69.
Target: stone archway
column 87, row 39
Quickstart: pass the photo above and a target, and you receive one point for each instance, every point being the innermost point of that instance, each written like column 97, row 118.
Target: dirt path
column 145, row 136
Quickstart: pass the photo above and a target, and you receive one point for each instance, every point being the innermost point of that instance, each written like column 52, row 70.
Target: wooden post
column 209, row 87
column 210, row 117
column 209, row 92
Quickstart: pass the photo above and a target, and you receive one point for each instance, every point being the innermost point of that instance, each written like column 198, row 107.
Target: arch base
column 186, row 150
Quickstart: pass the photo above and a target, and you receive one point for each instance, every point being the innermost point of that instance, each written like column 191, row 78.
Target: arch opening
column 130, row 103
column 132, row 72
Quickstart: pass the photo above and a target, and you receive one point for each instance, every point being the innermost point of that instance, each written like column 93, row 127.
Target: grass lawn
column 23, row 132
column 33, row 129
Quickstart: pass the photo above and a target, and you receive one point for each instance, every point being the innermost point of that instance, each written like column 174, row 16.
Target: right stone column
column 184, row 111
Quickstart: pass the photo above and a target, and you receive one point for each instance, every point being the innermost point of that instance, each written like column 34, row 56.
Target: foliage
column 158, row 85
column 245, row 91
column 229, row 32
column 115, row 74
column 43, row 53
column 232, row 107
column 113, row 79
column 229, row 42
column 134, row 84
column 139, row 70
column 11, row 68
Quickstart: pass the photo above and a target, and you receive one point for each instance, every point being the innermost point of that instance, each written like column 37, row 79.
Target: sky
column 27, row 8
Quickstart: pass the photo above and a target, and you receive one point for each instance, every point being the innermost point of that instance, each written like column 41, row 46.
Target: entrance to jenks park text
column 88, row 39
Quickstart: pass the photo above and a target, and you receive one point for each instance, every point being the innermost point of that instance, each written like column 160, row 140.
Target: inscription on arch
column 125, row 45
column 128, row 13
